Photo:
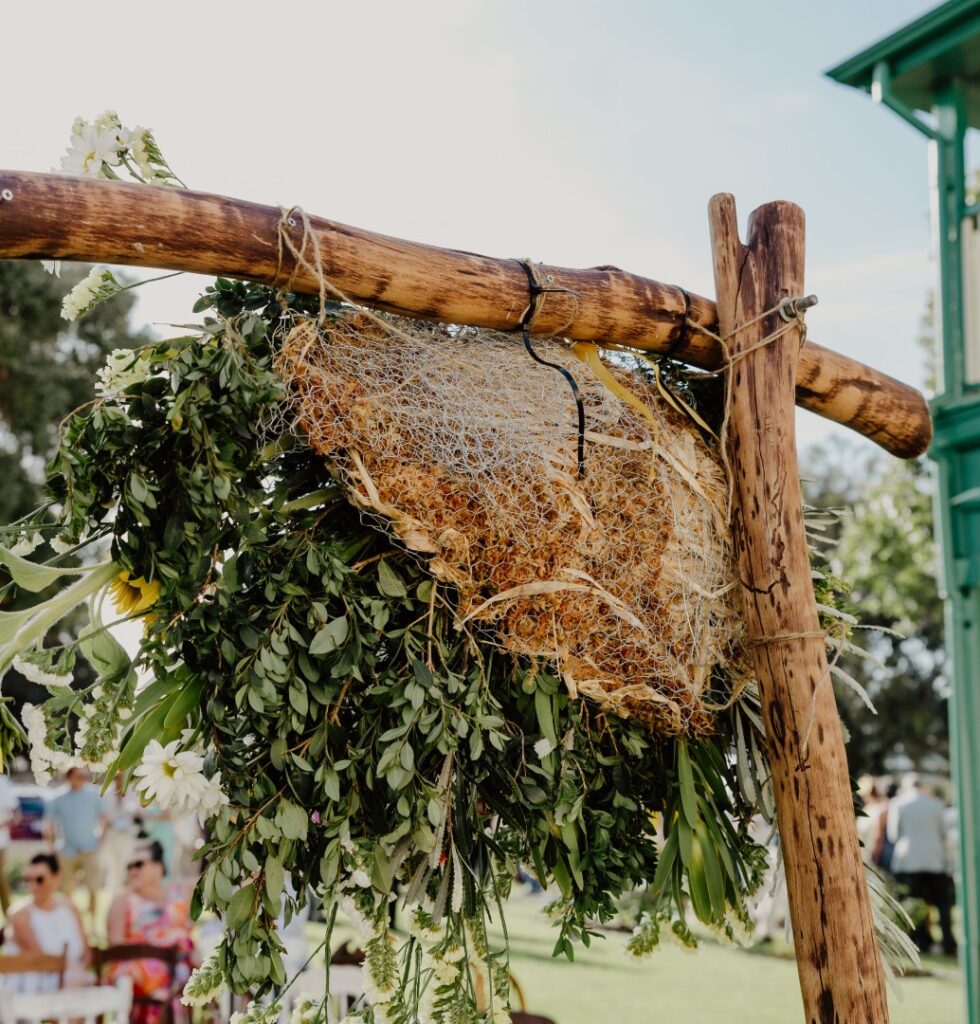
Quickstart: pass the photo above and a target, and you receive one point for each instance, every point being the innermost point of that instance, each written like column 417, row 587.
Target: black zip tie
column 536, row 291
column 682, row 334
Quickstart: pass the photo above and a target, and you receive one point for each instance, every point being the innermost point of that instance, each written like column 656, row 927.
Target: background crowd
column 909, row 832
column 135, row 870
column 912, row 834
column 108, row 872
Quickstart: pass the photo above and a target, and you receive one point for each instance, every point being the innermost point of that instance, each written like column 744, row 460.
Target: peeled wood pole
column 56, row 216
column 837, row 957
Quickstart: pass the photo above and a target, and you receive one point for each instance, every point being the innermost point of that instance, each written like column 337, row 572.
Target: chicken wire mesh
column 464, row 449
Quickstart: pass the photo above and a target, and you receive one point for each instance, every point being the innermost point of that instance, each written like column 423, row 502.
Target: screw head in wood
column 6, row 195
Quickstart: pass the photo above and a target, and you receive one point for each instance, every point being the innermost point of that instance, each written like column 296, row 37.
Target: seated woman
column 49, row 923
column 155, row 913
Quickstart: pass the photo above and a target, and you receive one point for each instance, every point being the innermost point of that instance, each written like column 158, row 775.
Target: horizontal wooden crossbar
column 49, row 216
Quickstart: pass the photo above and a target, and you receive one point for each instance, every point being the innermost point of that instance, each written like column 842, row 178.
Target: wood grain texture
column 836, row 951
column 60, row 217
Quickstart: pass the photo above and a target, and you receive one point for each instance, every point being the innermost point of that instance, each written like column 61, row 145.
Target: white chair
column 107, row 1003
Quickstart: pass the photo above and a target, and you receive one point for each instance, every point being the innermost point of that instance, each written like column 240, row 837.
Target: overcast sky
column 575, row 133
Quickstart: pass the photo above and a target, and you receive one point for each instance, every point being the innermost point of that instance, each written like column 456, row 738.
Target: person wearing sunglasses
column 50, row 923
column 155, row 912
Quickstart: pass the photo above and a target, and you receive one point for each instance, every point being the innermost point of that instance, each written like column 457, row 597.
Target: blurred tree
column 47, row 369
column 886, row 552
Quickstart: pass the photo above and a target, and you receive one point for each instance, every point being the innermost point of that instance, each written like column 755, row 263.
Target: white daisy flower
column 175, row 779
column 89, row 150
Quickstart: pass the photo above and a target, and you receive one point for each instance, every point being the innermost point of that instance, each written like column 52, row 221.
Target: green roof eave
column 922, row 57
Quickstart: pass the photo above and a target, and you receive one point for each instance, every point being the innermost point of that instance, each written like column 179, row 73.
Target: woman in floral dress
column 154, row 912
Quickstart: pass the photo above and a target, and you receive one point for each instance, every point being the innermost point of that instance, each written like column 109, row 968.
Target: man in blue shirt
column 77, row 821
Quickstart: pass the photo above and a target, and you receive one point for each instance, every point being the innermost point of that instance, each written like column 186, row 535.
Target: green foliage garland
column 364, row 743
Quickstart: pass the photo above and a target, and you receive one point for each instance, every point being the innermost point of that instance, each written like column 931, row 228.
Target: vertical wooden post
column 840, row 970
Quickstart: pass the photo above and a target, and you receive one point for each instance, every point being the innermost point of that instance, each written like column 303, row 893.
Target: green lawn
column 716, row 984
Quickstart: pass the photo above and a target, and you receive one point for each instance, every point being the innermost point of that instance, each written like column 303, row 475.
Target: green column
column 957, row 454
column 956, row 450
column 949, row 199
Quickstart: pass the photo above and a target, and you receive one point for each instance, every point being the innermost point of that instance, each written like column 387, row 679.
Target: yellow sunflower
column 133, row 595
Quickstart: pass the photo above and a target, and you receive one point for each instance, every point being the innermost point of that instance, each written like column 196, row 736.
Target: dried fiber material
column 466, row 450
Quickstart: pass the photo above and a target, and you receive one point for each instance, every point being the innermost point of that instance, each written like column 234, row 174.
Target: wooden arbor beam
column 58, row 217
column 840, row 969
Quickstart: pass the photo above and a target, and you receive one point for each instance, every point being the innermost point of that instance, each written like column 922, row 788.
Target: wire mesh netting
column 464, row 449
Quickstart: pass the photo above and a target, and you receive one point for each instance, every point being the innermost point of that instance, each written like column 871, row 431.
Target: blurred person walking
column 77, row 820
column 917, row 828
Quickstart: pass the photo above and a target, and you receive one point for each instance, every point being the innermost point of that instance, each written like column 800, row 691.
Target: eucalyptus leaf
column 389, row 582
column 331, row 636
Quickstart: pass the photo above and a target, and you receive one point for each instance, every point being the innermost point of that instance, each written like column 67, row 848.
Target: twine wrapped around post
column 841, row 974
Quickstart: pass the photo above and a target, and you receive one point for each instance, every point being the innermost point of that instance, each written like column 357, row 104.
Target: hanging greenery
column 355, row 739
column 315, row 691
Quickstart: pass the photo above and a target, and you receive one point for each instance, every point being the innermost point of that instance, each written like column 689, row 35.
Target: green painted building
column 928, row 72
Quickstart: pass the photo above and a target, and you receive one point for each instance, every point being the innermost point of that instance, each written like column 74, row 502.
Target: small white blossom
column 543, row 748
column 360, row 878
column 45, row 762
column 359, row 921
column 139, row 145
column 26, row 544
column 107, row 120
column 123, row 368
column 257, row 1014
column 98, row 286
column 307, row 1009
column 52, row 267
column 445, row 973
column 427, row 935
column 36, row 674
column 377, row 991
column 381, row 1013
